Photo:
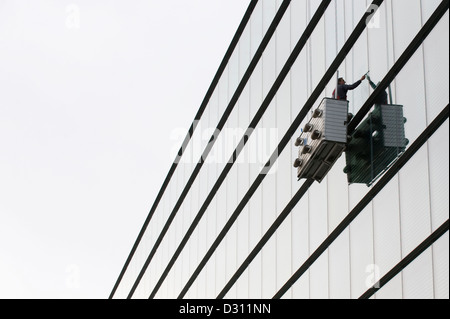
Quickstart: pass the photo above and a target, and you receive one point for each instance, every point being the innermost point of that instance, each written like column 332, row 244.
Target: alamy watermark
column 373, row 21
column 373, row 277
column 73, row 277
column 73, row 17
column 230, row 145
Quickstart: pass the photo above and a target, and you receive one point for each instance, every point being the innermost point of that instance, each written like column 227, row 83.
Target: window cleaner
column 343, row 88
column 382, row 99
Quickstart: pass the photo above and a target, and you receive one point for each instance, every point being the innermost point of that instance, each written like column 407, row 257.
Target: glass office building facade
column 233, row 221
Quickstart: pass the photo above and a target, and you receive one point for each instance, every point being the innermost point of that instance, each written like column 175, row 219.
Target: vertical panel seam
column 427, row 148
column 399, row 173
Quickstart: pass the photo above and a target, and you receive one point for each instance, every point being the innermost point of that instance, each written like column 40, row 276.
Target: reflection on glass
column 376, row 144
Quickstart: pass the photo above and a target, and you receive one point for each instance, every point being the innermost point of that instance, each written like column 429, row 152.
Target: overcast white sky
column 90, row 91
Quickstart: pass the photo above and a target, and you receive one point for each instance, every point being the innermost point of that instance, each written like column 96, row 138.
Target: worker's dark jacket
column 343, row 89
column 382, row 98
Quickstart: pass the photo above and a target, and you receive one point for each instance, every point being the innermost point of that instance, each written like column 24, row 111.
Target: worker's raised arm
column 373, row 85
column 354, row 85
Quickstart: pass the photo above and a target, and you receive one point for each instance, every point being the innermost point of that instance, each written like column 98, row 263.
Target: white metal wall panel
column 318, row 223
column 210, row 217
column 257, row 95
column 418, row 278
column 299, row 84
column 339, row 268
column 436, row 66
column 387, row 239
column 268, row 122
column 415, row 218
column 438, row 151
column 284, row 163
column 441, row 268
column 233, row 138
column 361, row 252
column 242, row 247
column 317, row 52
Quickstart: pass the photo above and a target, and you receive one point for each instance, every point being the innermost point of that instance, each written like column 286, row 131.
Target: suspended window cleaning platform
column 376, row 144
column 373, row 147
column 323, row 140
